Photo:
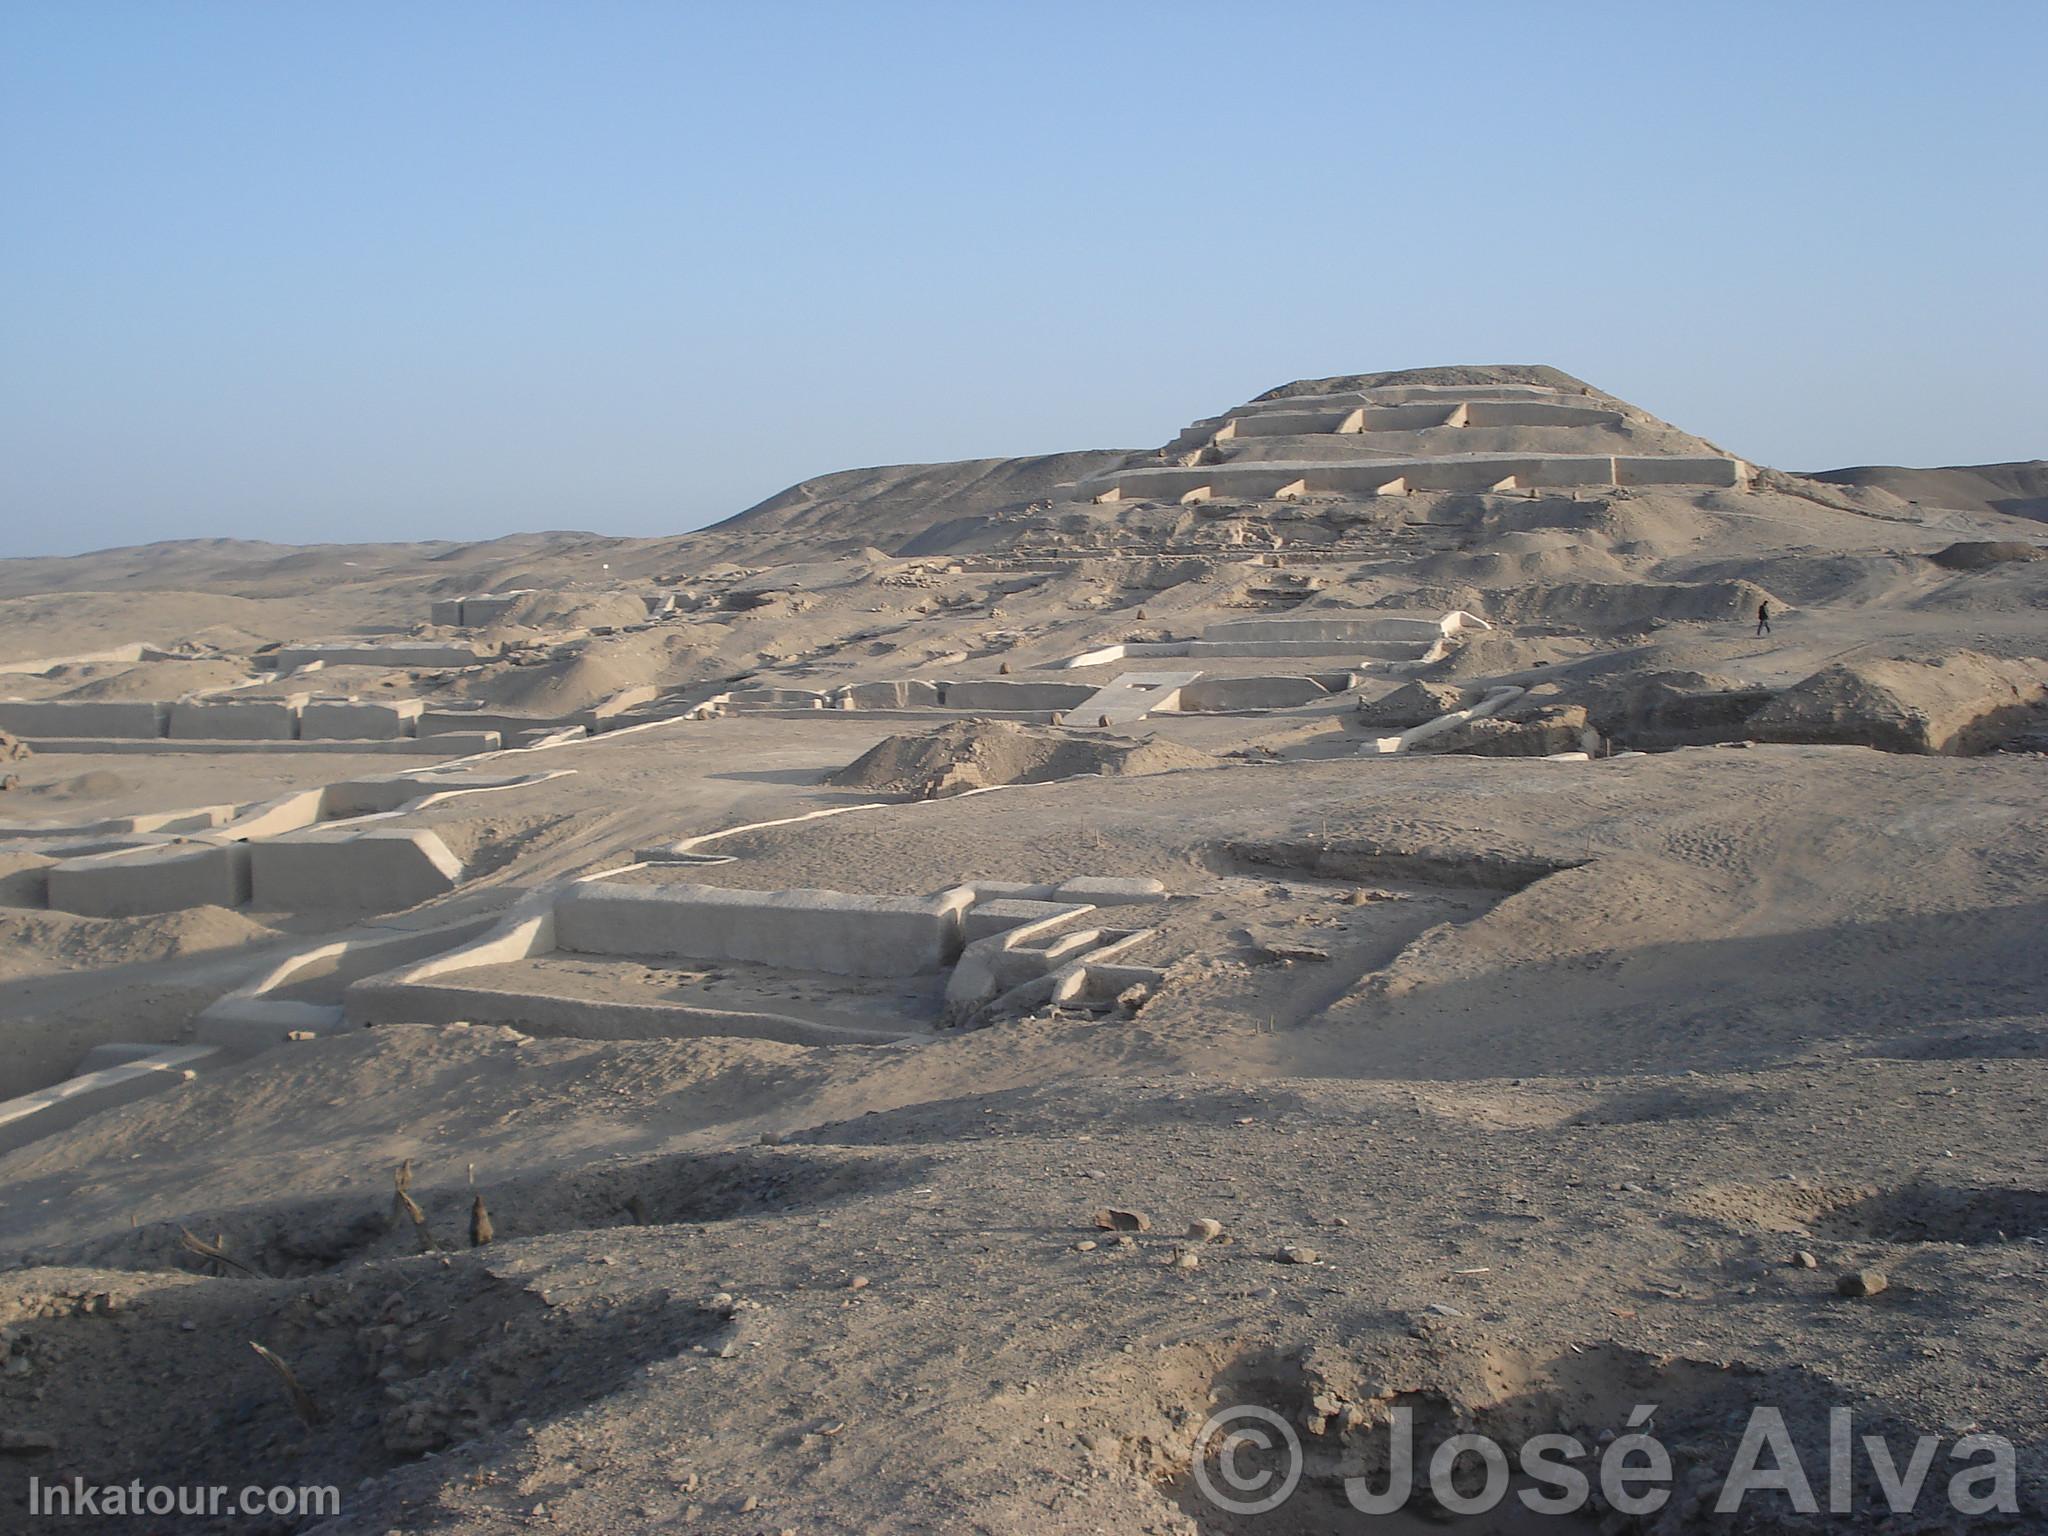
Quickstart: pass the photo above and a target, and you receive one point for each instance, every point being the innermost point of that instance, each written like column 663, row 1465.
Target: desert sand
column 887, row 1013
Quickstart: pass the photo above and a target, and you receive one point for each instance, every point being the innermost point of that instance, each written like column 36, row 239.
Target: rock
column 1412, row 704
column 1205, row 1229
column 26, row 1442
column 1539, row 732
column 1804, row 1260
column 1290, row 1253
column 1111, row 1219
column 1287, row 950
column 858, row 1283
column 1086, row 1245
column 1187, row 1259
column 1958, row 704
column 1863, row 1282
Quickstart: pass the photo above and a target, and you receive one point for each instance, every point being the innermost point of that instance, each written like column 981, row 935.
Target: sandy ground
column 1520, row 1092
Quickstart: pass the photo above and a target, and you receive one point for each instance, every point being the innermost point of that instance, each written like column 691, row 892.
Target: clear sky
column 355, row 270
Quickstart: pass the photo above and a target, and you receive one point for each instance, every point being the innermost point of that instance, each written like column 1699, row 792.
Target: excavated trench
column 1362, row 859
column 296, row 1240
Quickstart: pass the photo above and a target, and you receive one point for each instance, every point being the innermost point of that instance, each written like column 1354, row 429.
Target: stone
column 1291, row 1253
column 1410, row 705
column 1863, row 1282
column 1111, row 1219
column 1205, row 1229
column 1804, row 1260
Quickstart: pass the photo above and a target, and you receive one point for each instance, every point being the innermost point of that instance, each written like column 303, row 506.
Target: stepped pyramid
column 1493, row 429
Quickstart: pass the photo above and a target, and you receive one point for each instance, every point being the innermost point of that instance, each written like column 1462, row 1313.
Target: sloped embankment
column 977, row 754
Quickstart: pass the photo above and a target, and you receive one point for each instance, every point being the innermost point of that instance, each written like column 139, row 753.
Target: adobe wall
column 236, row 719
column 1399, row 392
column 359, row 719
column 905, row 693
column 809, row 930
column 81, row 717
column 395, row 653
column 1653, row 470
column 167, row 878
column 1337, row 627
column 1468, row 472
column 361, row 869
column 1533, row 413
column 449, row 745
column 1000, row 693
column 487, row 608
column 1411, row 418
column 1224, row 693
column 65, row 1104
column 1290, row 423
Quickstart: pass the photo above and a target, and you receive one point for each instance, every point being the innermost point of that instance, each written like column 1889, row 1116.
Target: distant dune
column 2017, row 490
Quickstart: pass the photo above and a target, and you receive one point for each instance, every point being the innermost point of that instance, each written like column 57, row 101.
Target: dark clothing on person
column 1763, row 619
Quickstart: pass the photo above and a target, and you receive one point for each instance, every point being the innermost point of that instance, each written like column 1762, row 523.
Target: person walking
column 1763, row 619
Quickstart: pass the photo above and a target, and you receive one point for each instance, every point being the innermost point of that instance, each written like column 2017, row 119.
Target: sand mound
column 1979, row 555
column 573, row 610
column 1963, row 703
column 1546, row 555
column 596, row 671
column 975, row 754
column 2017, row 489
column 1618, row 605
column 156, row 680
column 556, row 687
column 80, row 943
column 93, row 784
column 1499, row 653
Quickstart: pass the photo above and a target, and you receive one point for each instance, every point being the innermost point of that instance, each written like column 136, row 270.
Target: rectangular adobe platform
column 1132, row 696
column 815, row 930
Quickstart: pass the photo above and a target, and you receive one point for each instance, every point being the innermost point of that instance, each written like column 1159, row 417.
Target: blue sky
column 368, row 270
